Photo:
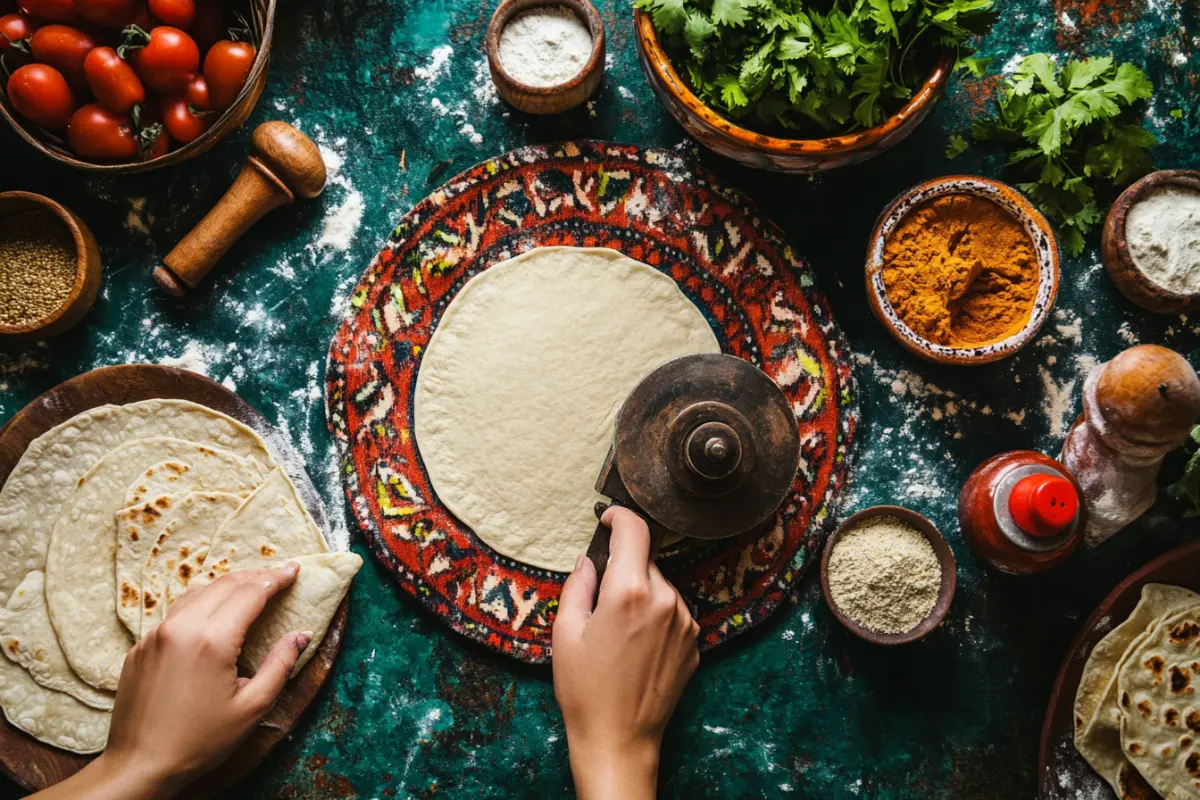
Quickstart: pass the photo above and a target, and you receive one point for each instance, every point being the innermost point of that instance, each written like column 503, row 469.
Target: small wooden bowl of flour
column 546, row 56
column 1151, row 242
column 888, row 575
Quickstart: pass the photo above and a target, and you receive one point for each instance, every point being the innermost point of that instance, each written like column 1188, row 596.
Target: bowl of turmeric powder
column 963, row 270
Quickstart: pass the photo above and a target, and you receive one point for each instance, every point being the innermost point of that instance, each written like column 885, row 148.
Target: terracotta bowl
column 1114, row 249
column 260, row 18
column 768, row 152
column 87, row 269
column 549, row 99
column 944, row 556
column 1045, row 244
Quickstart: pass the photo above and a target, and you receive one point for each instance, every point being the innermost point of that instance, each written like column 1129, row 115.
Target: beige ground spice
column 884, row 575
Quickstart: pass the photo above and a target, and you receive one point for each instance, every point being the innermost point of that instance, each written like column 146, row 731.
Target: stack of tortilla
column 1137, row 715
column 107, row 520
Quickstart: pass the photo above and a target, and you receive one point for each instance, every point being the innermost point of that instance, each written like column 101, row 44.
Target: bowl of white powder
column 888, row 575
column 1151, row 242
column 546, row 57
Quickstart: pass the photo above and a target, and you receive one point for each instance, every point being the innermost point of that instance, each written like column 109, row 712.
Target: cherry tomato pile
column 121, row 80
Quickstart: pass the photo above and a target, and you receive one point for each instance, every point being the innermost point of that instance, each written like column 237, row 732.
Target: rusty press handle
column 599, row 549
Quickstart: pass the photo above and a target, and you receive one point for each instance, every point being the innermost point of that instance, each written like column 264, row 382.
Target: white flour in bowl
column 545, row 46
column 1163, row 231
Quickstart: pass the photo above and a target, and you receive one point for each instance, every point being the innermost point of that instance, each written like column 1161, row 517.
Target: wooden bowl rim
column 941, row 549
column 83, row 265
column 1148, row 573
column 1118, row 217
column 772, row 145
column 1049, row 265
column 510, row 8
column 221, row 128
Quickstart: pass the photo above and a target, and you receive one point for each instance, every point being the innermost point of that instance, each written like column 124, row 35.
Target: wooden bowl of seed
column 49, row 267
column 888, row 575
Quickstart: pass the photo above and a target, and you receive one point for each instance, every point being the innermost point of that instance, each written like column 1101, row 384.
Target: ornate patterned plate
column 655, row 207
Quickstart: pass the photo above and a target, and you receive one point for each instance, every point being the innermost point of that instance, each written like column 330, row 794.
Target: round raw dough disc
column 519, row 389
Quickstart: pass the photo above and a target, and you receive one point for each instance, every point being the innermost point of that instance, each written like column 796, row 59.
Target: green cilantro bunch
column 1076, row 135
column 812, row 67
column 1187, row 490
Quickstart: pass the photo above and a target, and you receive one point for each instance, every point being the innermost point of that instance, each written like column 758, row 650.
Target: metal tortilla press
column 706, row 446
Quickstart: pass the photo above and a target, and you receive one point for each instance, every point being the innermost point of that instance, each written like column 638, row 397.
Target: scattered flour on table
column 195, row 357
column 439, row 60
column 340, row 226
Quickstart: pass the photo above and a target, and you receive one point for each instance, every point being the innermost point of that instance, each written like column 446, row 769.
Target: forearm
column 600, row 774
column 105, row 779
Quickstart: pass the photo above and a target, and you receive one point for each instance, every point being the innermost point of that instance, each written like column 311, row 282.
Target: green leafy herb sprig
column 1187, row 491
column 812, row 66
column 1076, row 136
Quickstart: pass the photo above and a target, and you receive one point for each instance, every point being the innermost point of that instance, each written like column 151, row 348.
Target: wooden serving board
column 35, row 765
column 1062, row 772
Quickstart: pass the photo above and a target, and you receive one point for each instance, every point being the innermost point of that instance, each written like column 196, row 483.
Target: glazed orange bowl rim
column 929, row 93
column 82, row 261
column 1042, row 239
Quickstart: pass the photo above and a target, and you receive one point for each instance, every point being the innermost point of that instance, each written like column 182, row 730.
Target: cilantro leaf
column 957, row 146
column 1187, row 490
column 1074, row 134
column 669, row 16
column 731, row 12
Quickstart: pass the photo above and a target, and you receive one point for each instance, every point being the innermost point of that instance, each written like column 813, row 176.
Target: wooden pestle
column 1137, row 408
column 286, row 163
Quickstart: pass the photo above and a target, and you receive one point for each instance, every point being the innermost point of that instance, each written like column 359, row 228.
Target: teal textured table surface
column 397, row 94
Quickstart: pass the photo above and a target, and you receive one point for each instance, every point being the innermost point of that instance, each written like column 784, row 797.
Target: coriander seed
column 37, row 266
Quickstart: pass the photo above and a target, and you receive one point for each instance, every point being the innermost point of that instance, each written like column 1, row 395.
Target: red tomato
column 197, row 94
column 14, row 28
column 182, row 122
column 226, row 68
column 209, row 25
column 50, row 10
column 180, row 13
column 41, row 95
column 65, row 49
column 95, row 132
column 116, row 14
column 168, row 61
column 113, row 81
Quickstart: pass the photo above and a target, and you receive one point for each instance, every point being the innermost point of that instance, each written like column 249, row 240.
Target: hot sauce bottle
column 1022, row 512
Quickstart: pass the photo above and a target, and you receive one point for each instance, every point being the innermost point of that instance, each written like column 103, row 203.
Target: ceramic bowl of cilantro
column 800, row 86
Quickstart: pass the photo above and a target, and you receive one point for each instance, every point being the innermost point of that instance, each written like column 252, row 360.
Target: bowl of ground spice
column 1151, row 242
column 888, row 575
column 962, row 270
column 546, row 56
column 49, row 267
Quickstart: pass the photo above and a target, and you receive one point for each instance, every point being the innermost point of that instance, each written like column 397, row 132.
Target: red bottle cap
column 1043, row 505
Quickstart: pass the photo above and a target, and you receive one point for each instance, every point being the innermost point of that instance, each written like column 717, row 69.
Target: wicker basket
column 261, row 23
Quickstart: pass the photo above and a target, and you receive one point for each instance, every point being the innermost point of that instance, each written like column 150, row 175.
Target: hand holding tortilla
column 99, row 513
column 149, row 753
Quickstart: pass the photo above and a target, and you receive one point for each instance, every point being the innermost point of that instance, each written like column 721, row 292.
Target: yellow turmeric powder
column 961, row 272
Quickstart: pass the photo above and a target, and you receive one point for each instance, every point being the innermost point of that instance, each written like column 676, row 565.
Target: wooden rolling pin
column 285, row 164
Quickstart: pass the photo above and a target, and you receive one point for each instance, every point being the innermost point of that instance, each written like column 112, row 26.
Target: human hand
column 620, row 664
column 181, row 708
